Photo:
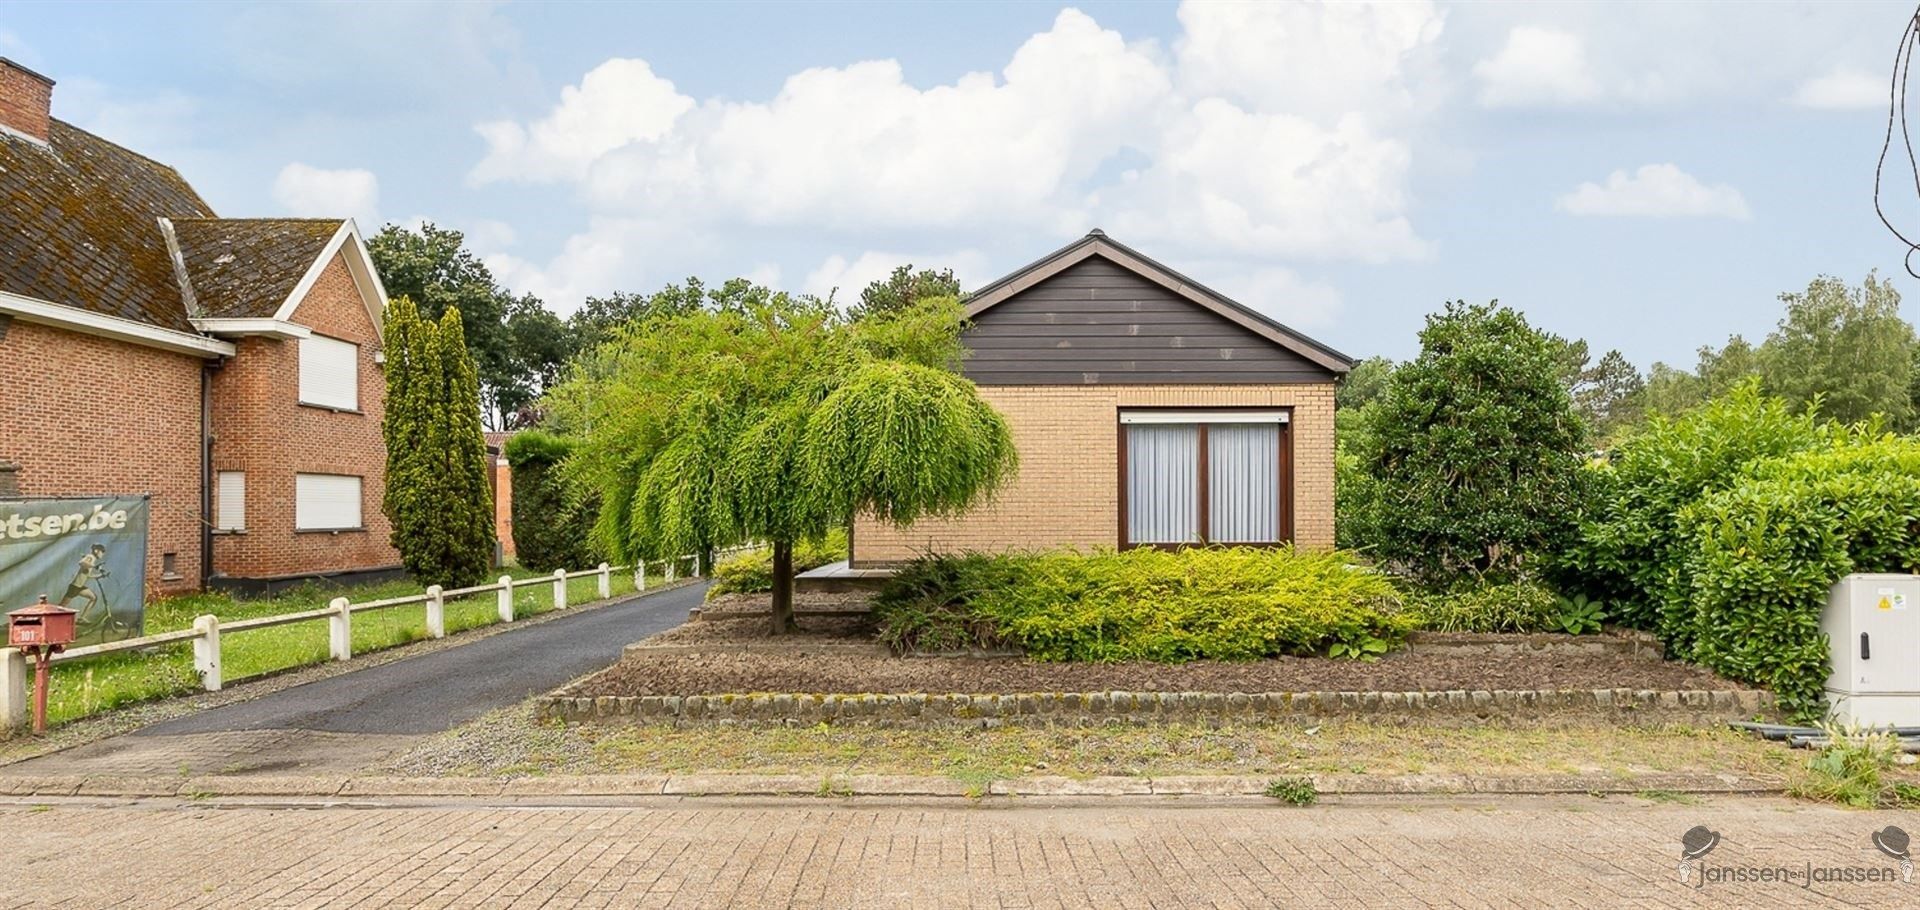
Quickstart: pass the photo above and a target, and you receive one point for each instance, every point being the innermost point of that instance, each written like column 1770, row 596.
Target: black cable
column 1897, row 108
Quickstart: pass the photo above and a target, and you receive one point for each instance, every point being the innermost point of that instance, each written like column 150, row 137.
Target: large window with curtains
column 1197, row 477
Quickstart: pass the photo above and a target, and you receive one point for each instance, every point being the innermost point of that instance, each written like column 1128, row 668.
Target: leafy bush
column 1630, row 549
column 1767, row 550
column 752, row 572
column 1234, row 603
column 551, row 524
column 1474, row 452
column 1577, row 615
column 1520, row 606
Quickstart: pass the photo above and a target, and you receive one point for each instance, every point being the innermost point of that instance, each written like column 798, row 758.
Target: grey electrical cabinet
column 1872, row 624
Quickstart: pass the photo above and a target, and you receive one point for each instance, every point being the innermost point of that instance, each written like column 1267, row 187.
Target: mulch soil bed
column 726, row 669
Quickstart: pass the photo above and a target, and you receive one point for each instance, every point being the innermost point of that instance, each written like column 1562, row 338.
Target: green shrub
column 1854, row 769
column 1630, row 550
column 1579, row 615
column 1767, row 551
column 1470, row 463
column 1231, row 603
column 551, row 523
column 752, row 571
column 1520, row 606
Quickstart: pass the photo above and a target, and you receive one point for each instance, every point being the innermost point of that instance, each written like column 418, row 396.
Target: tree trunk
column 782, row 587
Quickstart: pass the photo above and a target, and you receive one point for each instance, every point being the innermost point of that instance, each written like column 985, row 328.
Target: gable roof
column 1097, row 243
column 246, row 268
column 79, row 226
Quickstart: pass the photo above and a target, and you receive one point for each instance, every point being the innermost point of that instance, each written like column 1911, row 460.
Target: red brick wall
column 261, row 428
column 85, row 415
column 503, row 505
column 26, row 101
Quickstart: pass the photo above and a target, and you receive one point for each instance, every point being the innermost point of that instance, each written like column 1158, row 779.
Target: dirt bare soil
column 728, row 667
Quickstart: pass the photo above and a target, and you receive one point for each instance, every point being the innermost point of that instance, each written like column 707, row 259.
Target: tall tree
column 437, row 497
column 432, row 267
column 902, row 289
column 1475, row 451
column 1364, row 384
column 1846, row 347
column 1673, row 391
column 776, row 420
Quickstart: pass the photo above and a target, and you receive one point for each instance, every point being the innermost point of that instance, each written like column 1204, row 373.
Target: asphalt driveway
column 442, row 689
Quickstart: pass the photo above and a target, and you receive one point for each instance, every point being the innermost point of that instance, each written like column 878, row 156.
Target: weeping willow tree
column 776, row 420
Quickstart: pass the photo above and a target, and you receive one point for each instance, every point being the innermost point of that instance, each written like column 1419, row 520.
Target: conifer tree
column 437, row 496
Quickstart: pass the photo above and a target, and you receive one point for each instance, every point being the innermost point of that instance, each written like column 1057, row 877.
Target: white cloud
column 1655, row 190
column 1537, row 66
column 310, row 192
column 1843, row 88
column 617, row 103
column 1310, row 58
column 849, row 278
column 1228, row 161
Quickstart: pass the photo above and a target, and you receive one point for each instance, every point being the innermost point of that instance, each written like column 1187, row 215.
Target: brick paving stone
column 1575, row 852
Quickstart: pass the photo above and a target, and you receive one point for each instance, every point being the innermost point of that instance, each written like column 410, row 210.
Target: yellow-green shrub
column 752, row 571
column 1233, row 603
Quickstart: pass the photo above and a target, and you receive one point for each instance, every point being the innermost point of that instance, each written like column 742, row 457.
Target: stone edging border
column 877, row 785
column 1096, row 707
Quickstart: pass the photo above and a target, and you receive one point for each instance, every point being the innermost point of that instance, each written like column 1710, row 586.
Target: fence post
column 640, row 575
column 206, row 652
column 436, row 613
column 506, row 598
column 559, row 589
column 340, row 630
column 673, row 570
column 606, row 581
column 13, row 689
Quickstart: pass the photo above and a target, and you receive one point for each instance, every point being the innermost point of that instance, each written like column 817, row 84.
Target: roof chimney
column 26, row 100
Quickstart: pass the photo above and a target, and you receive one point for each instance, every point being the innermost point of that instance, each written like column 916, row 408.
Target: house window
column 326, row 502
column 230, row 501
column 329, row 373
column 1205, row 477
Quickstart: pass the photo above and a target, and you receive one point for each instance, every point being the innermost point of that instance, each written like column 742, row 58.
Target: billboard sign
column 85, row 554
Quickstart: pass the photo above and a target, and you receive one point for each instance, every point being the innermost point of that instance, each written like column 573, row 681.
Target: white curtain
column 1243, row 483
column 1163, row 480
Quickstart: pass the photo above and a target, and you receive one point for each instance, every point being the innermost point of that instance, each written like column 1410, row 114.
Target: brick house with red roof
column 227, row 367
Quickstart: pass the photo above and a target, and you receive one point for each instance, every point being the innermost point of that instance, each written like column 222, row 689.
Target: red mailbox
column 42, row 625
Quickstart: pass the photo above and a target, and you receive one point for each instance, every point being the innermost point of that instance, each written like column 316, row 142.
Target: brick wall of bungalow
column 87, row 416
column 1067, row 492
column 261, row 428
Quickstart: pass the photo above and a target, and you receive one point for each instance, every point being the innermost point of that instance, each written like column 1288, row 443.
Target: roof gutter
column 74, row 319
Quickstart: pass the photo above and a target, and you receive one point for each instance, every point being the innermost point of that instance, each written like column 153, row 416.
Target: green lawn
column 103, row 683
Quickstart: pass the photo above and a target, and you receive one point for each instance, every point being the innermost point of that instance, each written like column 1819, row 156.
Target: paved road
column 441, row 689
column 1517, row 853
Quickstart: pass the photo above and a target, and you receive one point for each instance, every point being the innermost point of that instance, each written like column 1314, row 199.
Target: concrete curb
column 1090, row 708
column 837, row 785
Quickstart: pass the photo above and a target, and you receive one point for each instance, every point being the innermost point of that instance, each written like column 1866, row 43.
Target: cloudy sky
column 1645, row 176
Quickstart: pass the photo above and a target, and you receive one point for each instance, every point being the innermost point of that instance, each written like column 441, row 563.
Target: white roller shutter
column 230, row 501
column 326, row 502
column 329, row 373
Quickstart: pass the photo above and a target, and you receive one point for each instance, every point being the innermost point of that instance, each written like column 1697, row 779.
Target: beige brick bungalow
column 1148, row 410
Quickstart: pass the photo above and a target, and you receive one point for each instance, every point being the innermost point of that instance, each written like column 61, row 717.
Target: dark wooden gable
column 1098, row 322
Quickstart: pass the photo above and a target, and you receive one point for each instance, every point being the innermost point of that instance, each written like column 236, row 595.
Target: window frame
column 220, row 503
column 360, row 502
column 1284, row 469
column 300, row 381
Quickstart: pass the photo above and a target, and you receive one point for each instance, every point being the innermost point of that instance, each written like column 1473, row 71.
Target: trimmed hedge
column 752, row 571
column 1144, row 604
column 1520, row 606
column 1767, row 550
column 551, row 524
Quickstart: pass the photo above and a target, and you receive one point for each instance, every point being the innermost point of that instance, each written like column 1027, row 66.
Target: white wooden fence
column 16, row 672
